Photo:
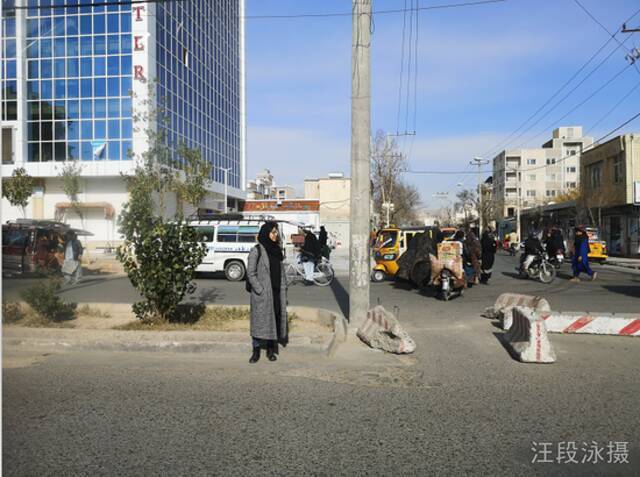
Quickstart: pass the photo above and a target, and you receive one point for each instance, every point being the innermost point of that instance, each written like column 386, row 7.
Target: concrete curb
column 617, row 324
column 181, row 341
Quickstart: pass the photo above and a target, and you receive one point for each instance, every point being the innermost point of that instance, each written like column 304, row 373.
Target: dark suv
column 34, row 246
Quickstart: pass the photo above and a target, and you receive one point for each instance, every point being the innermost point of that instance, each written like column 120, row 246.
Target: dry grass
column 21, row 314
column 212, row 319
column 86, row 310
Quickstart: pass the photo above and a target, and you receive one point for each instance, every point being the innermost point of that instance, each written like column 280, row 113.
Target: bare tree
column 467, row 203
column 392, row 197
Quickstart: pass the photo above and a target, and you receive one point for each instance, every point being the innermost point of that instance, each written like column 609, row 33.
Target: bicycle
column 322, row 272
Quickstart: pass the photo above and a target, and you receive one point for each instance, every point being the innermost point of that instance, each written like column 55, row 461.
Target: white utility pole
column 226, row 186
column 360, row 156
column 479, row 162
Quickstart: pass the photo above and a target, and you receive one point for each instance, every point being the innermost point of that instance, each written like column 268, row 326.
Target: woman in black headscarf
column 265, row 274
column 489, row 248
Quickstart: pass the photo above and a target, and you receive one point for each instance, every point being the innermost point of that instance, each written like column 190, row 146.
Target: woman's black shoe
column 255, row 356
column 271, row 356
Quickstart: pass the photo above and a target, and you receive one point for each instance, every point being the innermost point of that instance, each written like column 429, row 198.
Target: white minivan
column 228, row 244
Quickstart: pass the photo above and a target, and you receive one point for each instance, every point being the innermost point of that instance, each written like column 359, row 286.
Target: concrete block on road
column 381, row 329
column 502, row 308
column 527, row 338
column 618, row 324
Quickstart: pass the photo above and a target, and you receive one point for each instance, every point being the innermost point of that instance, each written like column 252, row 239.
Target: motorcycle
column 557, row 260
column 449, row 285
column 540, row 268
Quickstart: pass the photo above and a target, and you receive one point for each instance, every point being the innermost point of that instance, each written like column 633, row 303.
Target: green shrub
column 11, row 312
column 44, row 300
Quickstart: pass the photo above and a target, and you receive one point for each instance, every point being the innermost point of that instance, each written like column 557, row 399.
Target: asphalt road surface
column 459, row 405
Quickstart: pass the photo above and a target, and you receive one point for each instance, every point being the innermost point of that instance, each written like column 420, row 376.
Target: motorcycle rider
column 532, row 247
column 554, row 242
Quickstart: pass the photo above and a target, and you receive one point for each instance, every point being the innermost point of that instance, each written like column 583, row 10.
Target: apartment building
column 538, row 175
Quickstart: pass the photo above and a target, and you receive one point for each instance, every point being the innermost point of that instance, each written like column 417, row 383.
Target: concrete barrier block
column 501, row 309
column 527, row 338
column 617, row 324
column 382, row 330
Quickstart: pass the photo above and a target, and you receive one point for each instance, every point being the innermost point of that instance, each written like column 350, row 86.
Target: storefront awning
column 109, row 211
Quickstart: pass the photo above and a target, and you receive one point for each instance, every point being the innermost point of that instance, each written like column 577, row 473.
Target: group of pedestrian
column 478, row 256
column 553, row 243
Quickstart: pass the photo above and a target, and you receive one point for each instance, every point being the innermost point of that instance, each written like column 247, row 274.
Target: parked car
column 34, row 246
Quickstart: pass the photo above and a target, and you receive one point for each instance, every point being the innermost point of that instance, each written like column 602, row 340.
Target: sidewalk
column 317, row 331
column 633, row 263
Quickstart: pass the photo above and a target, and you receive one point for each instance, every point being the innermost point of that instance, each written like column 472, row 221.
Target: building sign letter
column 137, row 43
column 138, row 10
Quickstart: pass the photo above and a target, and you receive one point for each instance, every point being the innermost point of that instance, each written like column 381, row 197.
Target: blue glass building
column 69, row 68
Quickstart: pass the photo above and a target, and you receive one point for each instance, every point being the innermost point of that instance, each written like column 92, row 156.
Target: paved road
column 615, row 290
column 459, row 405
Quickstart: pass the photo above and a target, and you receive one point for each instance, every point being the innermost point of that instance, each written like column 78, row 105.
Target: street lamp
column 478, row 161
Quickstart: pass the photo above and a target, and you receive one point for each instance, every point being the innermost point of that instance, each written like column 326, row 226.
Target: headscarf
column 273, row 250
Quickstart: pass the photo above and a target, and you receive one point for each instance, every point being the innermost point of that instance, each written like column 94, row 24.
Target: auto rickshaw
column 390, row 244
column 597, row 247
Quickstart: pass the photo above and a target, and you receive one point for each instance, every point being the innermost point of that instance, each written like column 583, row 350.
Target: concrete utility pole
column 360, row 156
column 479, row 162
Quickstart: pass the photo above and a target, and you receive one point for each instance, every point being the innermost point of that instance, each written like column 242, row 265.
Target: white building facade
column 538, row 175
column 79, row 81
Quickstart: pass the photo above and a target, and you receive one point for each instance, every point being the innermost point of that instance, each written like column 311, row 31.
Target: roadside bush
column 11, row 312
column 44, row 300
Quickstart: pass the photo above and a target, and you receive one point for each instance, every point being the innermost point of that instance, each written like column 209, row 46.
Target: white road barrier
column 619, row 324
column 381, row 329
column 505, row 303
column 527, row 338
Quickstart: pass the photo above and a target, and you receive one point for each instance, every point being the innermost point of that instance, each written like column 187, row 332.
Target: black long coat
column 489, row 247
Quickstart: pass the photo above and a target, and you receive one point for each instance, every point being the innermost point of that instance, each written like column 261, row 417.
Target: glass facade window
column 198, row 71
column 78, row 65
column 8, row 76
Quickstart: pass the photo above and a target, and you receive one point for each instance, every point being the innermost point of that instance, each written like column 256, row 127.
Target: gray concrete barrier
column 527, row 338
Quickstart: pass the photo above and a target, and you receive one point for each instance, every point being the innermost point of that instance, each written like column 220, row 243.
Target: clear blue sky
column 481, row 72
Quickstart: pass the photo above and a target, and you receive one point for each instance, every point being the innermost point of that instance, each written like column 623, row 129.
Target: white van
column 228, row 245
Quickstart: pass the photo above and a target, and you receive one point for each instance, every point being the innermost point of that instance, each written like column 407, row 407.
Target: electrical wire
column 596, row 143
column 106, row 3
column 613, row 108
column 377, row 12
column 588, row 98
column 501, row 144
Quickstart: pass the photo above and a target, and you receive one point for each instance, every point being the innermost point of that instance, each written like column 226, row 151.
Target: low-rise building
column 264, row 187
column 610, row 176
column 334, row 195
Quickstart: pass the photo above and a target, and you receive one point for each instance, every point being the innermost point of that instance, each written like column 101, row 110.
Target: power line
column 558, row 103
column 106, row 3
column 550, row 126
column 377, row 12
column 404, row 28
column 596, row 143
column 501, row 144
column 446, row 172
column 613, row 108
column 261, row 17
